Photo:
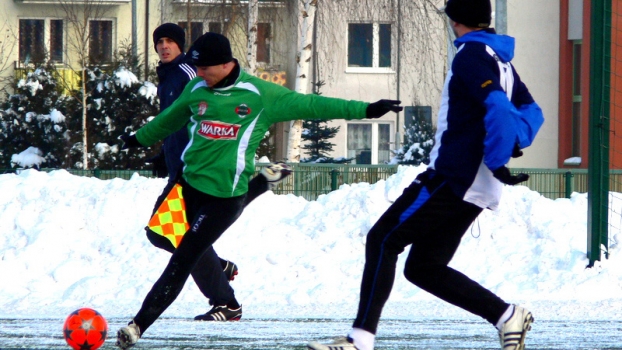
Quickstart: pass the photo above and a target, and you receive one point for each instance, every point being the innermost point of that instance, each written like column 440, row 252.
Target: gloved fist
column 129, row 141
column 159, row 165
column 382, row 107
column 516, row 152
column 503, row 175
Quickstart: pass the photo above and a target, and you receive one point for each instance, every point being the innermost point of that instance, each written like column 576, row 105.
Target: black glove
column 503, row 175
column 129, row 141
column 159, row 165
column 382, row 107
column 516, row 152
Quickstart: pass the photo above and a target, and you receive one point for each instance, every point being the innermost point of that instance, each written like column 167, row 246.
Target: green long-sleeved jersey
column 227, row 124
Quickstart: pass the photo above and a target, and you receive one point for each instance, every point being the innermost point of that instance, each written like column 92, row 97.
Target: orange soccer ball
column 85, row 328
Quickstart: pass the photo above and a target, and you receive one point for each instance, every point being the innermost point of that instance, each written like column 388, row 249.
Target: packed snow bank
column 70, row 241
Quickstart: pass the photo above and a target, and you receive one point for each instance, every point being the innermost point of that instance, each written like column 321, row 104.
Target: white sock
column 505, row 317
column 363, row 340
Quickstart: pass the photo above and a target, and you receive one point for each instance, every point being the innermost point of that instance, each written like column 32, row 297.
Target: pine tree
column 38, row 115
column 316, row 135
column 118, row 104
column 34, row 117
column 418, row 144
column 267, row 145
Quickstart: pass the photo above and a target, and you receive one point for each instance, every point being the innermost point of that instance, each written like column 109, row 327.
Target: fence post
column 333, row 179
column 568, row 176
column 599, row 128
column 97, row 173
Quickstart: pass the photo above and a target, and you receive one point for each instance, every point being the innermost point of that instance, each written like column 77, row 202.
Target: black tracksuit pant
column 208, row 217
column 430, row 217
column 208, row 272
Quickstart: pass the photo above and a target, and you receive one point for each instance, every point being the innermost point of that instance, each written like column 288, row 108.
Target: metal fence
column 312, row 180
column 560, row 183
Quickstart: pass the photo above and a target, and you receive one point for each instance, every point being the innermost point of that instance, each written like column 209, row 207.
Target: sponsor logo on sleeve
column 242, row 110
column 214, row 130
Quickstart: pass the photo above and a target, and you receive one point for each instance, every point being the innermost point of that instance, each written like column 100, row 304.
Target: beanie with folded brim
column 471, row 13
column 210, row 49
column 171, row 31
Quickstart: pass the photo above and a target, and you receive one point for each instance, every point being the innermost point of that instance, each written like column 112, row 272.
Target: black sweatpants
column 208, row 273
column 208, row 217
column 430, row 217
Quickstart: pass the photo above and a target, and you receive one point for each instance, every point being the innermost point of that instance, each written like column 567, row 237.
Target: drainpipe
column 501, row 16
column 398, row 139
column 134, row 30
column 147, row 39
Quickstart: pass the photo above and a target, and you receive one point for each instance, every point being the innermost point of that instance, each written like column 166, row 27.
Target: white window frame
column 47, row 36
column 375, row 139
column 376, row 51
column 205, row 28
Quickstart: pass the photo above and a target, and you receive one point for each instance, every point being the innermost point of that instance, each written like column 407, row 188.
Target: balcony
column 66, row 77
column 77, row 2
column 263, row 3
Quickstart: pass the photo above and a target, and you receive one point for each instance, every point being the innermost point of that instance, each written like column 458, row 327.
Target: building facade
column 363, row 50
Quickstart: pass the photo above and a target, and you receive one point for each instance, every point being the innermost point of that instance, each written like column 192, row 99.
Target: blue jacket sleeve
column 506, row 122
column 501, row 129
column 530, row 115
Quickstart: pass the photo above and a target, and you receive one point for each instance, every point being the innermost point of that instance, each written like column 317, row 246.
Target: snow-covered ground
column 294, row 334
column 68, row 242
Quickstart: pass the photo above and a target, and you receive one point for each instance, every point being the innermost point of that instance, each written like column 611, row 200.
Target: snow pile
column 73, row 241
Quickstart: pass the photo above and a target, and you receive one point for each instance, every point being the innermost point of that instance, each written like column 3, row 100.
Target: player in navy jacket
column 173, row 77
column 486, row 116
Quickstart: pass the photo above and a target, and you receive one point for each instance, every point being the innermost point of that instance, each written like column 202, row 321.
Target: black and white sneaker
column 221, row 313
column 343, row 343
column 276, row 172
column 128, row 336
column 512, row 334
column 230, row 269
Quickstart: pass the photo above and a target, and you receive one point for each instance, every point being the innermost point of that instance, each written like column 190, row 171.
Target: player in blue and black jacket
column 486, row 116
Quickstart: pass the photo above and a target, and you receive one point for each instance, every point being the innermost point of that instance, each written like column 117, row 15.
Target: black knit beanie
column 211, row 49
column 171, row 31
column 471, row 13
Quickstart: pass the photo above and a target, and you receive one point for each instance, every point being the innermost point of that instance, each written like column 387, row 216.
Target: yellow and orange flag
column 170, row 218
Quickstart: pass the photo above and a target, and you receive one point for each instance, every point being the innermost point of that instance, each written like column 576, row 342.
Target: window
column 369, row 143
column 197, row 31
column 215, row 27
column 31, row 41
column 384, row 143
column 263, row 42
column 369, row 46
column 359, row 143
column 576, row 99
column 56, row 40
column 100, row 42
column 36, row 36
